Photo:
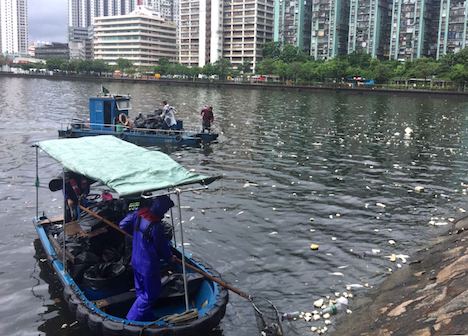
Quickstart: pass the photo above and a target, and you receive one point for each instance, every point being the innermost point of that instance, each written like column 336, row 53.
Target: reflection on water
column 336, row 170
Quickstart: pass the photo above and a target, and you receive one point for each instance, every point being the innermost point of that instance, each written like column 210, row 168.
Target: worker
column 150, row 244
column 207, row 118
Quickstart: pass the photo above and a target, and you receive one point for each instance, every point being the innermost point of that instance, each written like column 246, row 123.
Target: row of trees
column 290, row 62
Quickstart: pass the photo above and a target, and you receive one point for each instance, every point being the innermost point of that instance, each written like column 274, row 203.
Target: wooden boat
column 109, row 115
column 97, row 281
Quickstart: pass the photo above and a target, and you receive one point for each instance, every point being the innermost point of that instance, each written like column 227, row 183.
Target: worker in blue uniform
column 149, row 245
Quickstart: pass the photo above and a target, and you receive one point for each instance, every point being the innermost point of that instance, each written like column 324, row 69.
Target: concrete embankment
column 249, row 86
column 428, row 297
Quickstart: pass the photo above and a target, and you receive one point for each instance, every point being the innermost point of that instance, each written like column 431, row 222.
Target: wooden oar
column 193, row 268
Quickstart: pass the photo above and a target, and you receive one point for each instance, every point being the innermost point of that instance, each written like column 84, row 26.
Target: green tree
column 459, row 74
column 271, row 50
column 222, row 68
column 245, row 67
column 123, row 63
column 266, row 67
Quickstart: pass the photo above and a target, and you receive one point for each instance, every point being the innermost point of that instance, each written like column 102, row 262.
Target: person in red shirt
column 207, row 118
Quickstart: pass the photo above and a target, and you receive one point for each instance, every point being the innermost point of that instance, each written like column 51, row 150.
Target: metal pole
column 173, row 228
column 37, row 183
column 64, row 218
column 183, row 251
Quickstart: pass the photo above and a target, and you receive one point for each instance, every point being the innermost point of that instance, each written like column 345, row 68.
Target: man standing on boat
column 207, row 118
column 167, row 115
column 150, row 244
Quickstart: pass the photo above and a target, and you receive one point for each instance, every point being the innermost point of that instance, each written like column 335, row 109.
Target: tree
column 271, row 50
column 222, row 68
column 123, row 64
column 245, row 67
column 291, row 53
column 266, row 67
column 459, row 74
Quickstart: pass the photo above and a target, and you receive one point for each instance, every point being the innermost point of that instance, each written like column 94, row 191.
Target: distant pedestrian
column 207, row 118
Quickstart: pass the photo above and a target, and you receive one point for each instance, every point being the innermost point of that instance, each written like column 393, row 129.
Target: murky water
column 333, row 169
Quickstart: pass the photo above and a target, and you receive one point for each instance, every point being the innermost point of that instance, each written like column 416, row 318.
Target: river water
column 333, row 169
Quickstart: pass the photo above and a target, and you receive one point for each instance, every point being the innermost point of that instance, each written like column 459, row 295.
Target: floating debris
column 73, row 323
column 408, row 130
column 375, row 251
column 314, row 247
column 419, row 188
column 380, row 205
column 240, row 213
column 391, row 242
column 316, row 317
column 64, row 326
column 326, row 315
column 311, row 219
column 327, row 322
column 318, row 303
column 191, row 218
column 336, row 273
column 313, row 329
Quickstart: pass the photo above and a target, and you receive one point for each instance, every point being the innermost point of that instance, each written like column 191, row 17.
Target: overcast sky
column 48, row 20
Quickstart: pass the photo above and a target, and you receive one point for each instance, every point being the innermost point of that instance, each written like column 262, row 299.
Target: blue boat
column 109, row 115
column 89, row 254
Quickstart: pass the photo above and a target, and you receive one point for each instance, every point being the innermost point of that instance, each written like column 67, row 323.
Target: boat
column 90, row 255
column 109, row 115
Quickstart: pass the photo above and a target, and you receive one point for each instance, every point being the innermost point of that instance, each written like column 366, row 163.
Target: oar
column 269, row 323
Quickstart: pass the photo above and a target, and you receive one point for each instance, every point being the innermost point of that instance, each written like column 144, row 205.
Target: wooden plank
column 55, row 219
column 115, row 299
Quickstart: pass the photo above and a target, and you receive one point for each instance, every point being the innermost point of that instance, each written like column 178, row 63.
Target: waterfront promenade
column 336, row 87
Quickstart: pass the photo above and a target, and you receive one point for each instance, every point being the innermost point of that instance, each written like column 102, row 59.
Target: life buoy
column 123, row 119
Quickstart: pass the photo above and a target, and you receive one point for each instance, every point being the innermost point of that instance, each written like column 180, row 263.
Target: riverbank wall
column 243, row 85
column 429, row 297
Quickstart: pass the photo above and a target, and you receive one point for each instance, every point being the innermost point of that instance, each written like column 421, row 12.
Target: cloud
column 48, row 20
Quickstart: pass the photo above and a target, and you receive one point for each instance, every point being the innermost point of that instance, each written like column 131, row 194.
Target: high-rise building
column 81, row 14
column 167, row 8
column 247, row 26
column 330, row 22
column 292, row 23
column 453, row 32
column 369, row 27
column 414, row 28
column 14, row 27
column 200, row 32
column 141, row 37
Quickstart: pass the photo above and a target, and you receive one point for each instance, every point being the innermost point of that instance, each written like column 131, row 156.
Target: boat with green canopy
column 90, row 254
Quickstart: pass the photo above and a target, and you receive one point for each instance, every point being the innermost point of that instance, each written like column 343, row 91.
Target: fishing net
column 267, row 316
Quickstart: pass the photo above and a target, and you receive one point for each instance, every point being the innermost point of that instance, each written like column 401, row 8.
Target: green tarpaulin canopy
column 125, row 168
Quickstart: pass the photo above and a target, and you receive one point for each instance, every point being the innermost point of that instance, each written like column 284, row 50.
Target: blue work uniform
column 149, row 246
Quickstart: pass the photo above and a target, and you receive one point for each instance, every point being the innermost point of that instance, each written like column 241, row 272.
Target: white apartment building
column 200, row 32
column 142, row 37
column 14, row 27
column 247, row 25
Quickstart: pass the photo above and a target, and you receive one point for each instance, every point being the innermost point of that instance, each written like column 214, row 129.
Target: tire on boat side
column 82, row 314
column 95, row 324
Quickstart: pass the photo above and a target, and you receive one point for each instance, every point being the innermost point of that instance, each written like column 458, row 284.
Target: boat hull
column 145, row 138
column 99, row 322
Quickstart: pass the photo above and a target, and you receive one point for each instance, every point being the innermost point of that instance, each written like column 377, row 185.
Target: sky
column 48, row 20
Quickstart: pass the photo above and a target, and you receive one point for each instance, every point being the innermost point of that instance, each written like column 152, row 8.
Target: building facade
column 414, row 28
column 52, row 50
column 292, row 24
column 369, row 27
column 14, row 27
column 80, row 42
column 169, row 9
column 247, row 26
column 452, row 33
column 200, row 32
column 142, row 37
column 81, row 13
column 330, row 23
